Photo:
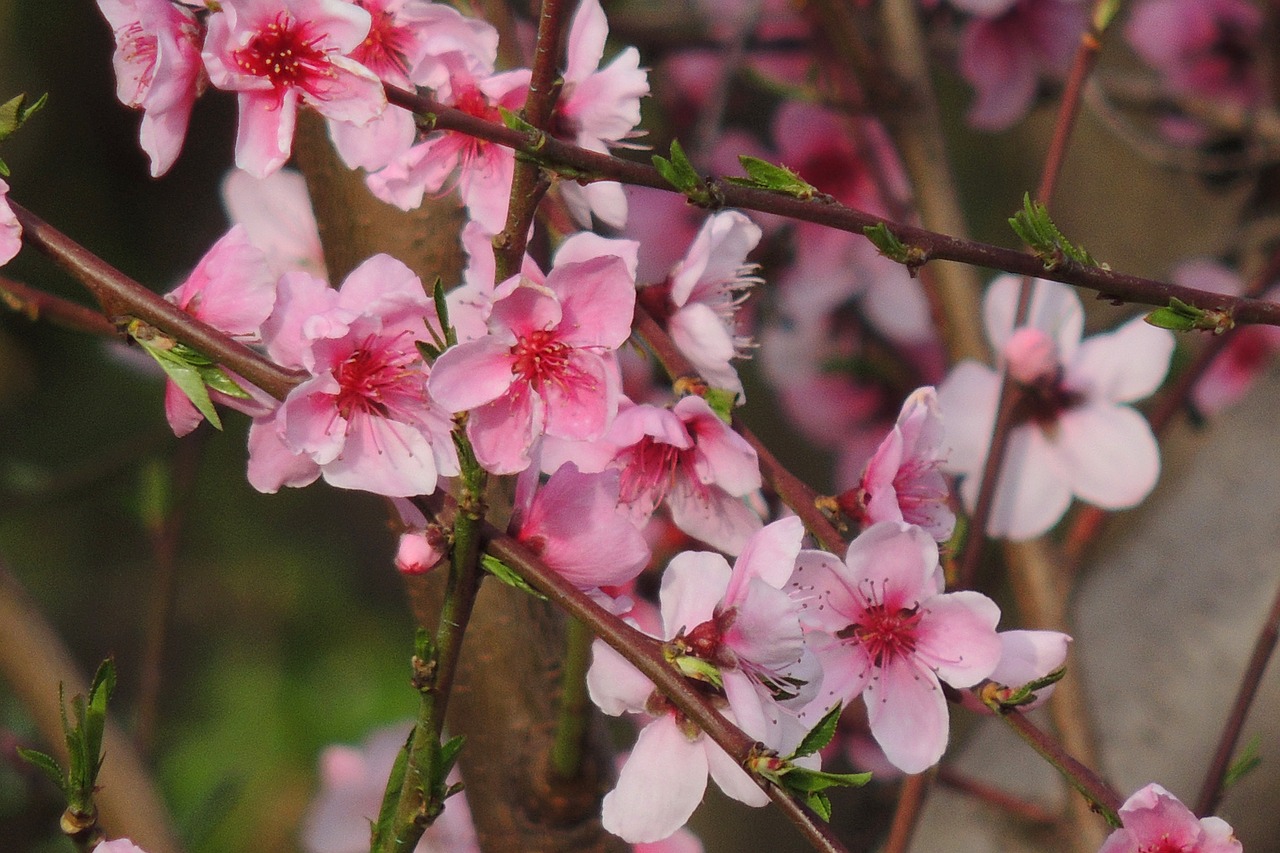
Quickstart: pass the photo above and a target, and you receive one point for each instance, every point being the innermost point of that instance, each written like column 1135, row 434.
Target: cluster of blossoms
column 535, row 368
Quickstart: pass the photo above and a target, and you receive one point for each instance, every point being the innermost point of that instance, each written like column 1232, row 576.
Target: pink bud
column 420, row 552
column 1031, row 355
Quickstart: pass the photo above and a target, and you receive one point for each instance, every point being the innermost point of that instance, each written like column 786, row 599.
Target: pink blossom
column 574, row 524
column 1003, row 57
column 158, row 70
column 352, row 780
column 703, row 293
column 902, row 482
column 682, row 841
column 1155, row 821
column 684, row 456
column 232, row 290
column 1245, row 355
column 597, row 108
column 276, row 53
column 402, row 47
column 1076, row 434
column 10, row 230
column 120, row 845
column 547, row 364
column 1025, row 656
column 1206, row 48
column 276, row 213
column 738, row 623
column 363, row 420
column 484, row 169
column 893, row 636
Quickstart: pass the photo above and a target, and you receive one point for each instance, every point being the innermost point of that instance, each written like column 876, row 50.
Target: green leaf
column 1182, row 317
column 763, row 175
column 216, row 378
column 187, row 378
column 820, row 803
column 442, row 311
column 798, row 778
column 95, row 715
column 1034, row 227
column 385, row 823
column 821, row 734
column 679, row 172
column 699, row 670
column 721, row 402
column 47, row 764
column 15, row 112
column 449, row 752
column 507, row 575
column 1245, row 763
column 514, row 121
column 888, row 244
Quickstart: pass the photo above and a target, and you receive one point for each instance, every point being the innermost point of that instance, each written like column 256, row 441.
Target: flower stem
column 1099, row 793
column 571, row 726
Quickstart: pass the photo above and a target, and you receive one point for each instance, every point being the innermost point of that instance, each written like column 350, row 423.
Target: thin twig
column 1084, row 780
column 37, row 305
column 588, row 165
column 1211, row 790
column 907, row 812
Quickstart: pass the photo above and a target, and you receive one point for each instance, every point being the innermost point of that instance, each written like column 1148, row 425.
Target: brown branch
column 589, row 166
column 906, row 814
column 120, row 295
column 37, row 305
column 1211, row 790
column 1084, row 780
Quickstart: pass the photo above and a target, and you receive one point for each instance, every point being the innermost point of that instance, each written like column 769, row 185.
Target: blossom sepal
column 1003, row 698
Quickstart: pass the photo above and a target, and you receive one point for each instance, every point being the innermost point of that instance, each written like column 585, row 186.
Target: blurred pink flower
column 276, row 213
column 1004, row 57
column 1076, row 434
column 1207, row 48
column 1155, row 821
column 158, row 70
column 278, row 53
column 10, row 230
column 120, row 845
column 352, row 780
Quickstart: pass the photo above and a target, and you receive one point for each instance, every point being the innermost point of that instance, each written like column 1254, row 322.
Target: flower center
column 539, row 359
column 373, row 379
column 286, row 54
column 885, row 634
column 385, row 49
column 1163, row 844
column 139, row 48
column 648, row 469
column 706, row 641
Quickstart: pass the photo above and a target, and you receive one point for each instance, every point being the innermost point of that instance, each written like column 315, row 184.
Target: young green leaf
column 819, row 803
column 763, row 175
column 679, row 172
column 391, row 795
column 442, row 311
column 188, row 379
column 1181, row 317
column 1034, row 227
column 507, row 575
column 803, row 779
column 821, row 734
column 1245, row 763
column 449, row 751
column 46, row 764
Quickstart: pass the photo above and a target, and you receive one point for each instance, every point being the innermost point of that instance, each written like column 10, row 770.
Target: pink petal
column 272, row 463
column 701, row 335
column 1032, row 492
column 598, row 299
column 731, row 778
column 384, row 457
column 660, row 785
column 1109, row 453
column 472, row 374
column 583, row 407
column 968, row 398
column 179, row 411
column 957, row 637
column 770, row 555
column 692, row 587
column 1124, row 365
column 587, row 34
column 1055, row 308
column 264, row 136
column 615, row 686
column 724, row 457
column 10, row 230
column 712, row 516
column 502, row 432
column 908, row 715
column 998, row 61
